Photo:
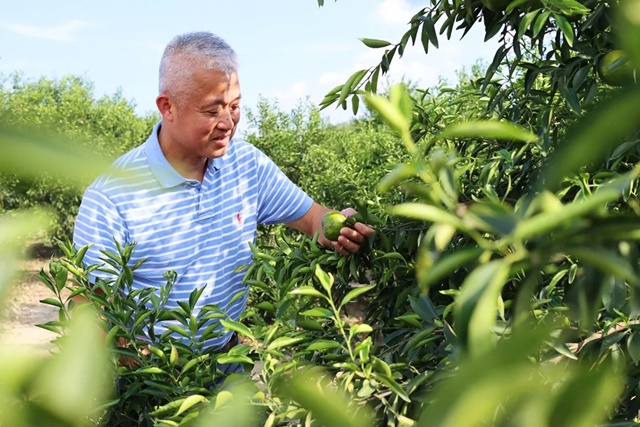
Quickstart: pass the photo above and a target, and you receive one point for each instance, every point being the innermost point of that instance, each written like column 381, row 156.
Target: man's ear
column 166, row 107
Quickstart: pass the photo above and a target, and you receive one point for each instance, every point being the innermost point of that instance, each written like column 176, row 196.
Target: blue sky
column 288, row 49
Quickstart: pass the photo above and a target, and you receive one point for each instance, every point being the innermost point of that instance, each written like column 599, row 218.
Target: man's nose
column 226, row 120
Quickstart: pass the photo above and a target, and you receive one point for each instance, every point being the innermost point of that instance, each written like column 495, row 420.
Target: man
column 199, row 193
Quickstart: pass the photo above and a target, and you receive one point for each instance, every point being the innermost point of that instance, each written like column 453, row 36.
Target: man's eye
column 235, row 107
column 213, row 113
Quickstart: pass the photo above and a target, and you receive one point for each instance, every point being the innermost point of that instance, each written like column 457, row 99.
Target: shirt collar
column 160, row 166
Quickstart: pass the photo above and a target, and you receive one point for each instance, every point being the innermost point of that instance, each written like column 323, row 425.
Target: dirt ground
column 22, row 310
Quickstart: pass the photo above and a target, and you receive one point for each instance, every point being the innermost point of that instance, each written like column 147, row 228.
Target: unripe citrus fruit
column 615, row 69
column 332, row 222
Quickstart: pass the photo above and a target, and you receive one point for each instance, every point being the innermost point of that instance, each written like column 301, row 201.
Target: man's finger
column 353, row 235
column 364, row 229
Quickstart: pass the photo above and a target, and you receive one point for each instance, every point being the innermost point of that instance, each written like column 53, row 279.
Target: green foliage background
column 501, row 287
column 65, row 109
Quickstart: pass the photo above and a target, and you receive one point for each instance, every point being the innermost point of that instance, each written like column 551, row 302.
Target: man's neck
column 189, row 166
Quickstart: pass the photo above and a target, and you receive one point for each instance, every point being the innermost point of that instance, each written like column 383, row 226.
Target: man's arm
column 350, row 239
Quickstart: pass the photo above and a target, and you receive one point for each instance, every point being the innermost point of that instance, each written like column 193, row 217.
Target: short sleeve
column 279, row 199
column 98, row 223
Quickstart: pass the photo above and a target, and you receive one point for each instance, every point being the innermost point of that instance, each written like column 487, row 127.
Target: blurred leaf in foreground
column 66, row 389
column 15, row 229
column 31, row 155
column 313, row 390
column 588, row 142
column 507, row 384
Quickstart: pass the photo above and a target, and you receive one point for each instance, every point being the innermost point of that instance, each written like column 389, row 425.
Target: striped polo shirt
column 199, row 230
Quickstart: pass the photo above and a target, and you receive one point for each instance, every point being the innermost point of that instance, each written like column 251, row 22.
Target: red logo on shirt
column 239, row 218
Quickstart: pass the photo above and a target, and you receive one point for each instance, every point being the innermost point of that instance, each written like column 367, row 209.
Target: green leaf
column 400, row 98
column 84, row 363
column 190, row 401
column 398, row 174
column 566, row 28
column 237, row 327
column 141, row 318
column 526, row 22
column 607, row 261
column 149, row 370
column 361, row 328
column 51, row 301
column 326, row 279
column 390, row 113
column 307, row 290
column 489, row 130
column 355, row 293
column 375, row 43
column 491, row 217
column 168, row 407
column 350, row 84
column 627, row 20
column 425, row 212
column 266, row 306
column 590, row 140
column 593, row 390
column 545, row 222
column 483, row 386
column 540, row 22
column 284, row 342
column 564, row 350
column 312, row 390
column 32, row 155
column 476, row 306
column 633, row 347
column 320, row 345
column 234, row 358
column 429, row 28
column 393, row 386
column 173, row 358
column 309, row 324
column 193, row 362
column 317, row 312
column 355, row 103
column 178, row 330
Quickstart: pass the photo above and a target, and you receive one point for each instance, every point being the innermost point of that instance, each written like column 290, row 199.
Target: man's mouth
column 222, row 138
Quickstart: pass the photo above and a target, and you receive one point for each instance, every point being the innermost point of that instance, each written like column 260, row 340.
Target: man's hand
column 351, row 239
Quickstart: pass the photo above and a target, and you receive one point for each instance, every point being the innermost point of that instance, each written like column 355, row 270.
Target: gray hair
column 189, row 52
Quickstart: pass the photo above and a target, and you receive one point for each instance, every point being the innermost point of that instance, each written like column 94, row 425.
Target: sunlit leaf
column 375, row 43
column 190, row 401
column 237, row 327
column 489, row 130
column 284, row 342
column 320, row 345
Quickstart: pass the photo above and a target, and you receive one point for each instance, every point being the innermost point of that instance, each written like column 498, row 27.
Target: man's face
column 207, row 118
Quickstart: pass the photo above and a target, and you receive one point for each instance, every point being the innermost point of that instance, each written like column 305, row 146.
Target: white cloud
column 394, row 12
column 62, row 32
column 333, row 78
column 293, row 93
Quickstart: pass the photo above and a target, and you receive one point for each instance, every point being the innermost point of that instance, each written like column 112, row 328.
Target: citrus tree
column 65, row 109
column 518, row 210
